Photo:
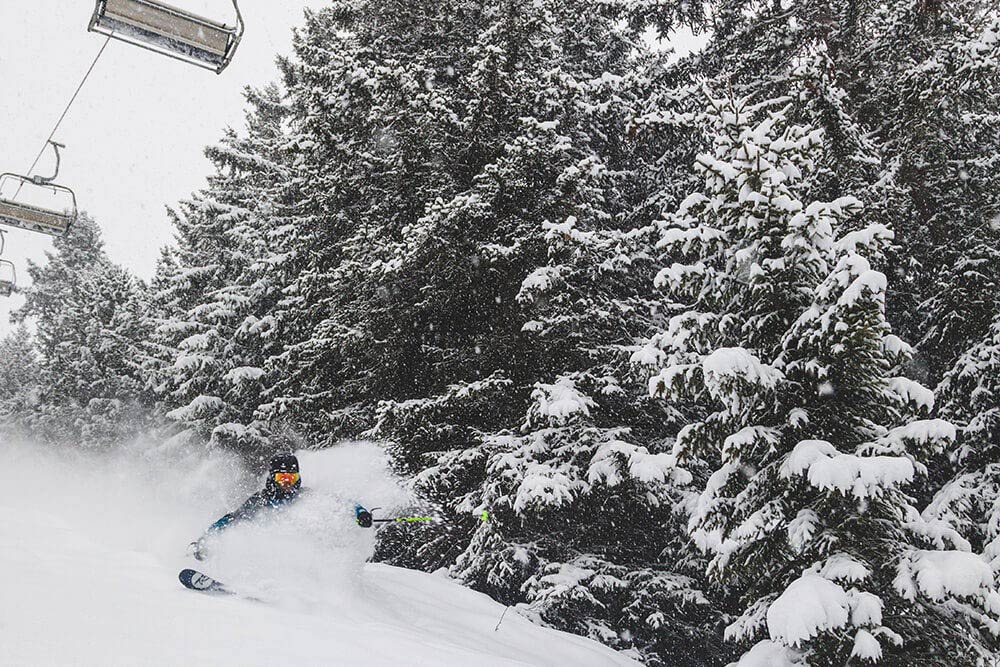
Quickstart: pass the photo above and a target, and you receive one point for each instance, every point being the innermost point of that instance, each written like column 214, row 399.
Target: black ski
column 197, row 581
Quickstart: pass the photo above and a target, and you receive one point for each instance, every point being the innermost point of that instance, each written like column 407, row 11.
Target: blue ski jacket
column 271, row 496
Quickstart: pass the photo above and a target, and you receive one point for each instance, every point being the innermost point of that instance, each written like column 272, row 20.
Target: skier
column 283, row 486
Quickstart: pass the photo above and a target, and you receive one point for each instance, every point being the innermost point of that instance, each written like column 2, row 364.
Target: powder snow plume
column 91, row 543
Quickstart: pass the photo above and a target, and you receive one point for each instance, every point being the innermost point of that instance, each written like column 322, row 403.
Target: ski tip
column 200, row 582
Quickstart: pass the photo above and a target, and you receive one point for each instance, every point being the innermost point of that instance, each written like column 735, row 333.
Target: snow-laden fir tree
column 812, row 437
column 395, row 106
column 570, row 469
column 91, row 330
column 932, row 77
column 18, row 377
column 905, row 91
column 969, row 396
column 470, row 180
column 218, row 286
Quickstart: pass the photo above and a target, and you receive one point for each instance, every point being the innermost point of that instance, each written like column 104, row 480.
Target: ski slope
column 90, row 547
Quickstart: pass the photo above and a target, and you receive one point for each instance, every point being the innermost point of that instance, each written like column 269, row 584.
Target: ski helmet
column 284, row 463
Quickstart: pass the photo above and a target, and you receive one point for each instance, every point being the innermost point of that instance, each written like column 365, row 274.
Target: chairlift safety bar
column 8, row 278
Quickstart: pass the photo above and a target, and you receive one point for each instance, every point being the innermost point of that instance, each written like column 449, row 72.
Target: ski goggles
column 286, row 478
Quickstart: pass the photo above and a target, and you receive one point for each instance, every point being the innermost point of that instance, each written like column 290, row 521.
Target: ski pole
column 366, row 520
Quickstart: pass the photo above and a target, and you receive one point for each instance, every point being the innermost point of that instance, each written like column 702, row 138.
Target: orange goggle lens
column 285, row 478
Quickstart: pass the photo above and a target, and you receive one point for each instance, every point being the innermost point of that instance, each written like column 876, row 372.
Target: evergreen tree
column 521, row 292
column 970, row 397
column 932, row 76
column 781, row 339
column 217, row 289
column 904, row 91
column 395, row 106
column 91, row 324
column 18, row 376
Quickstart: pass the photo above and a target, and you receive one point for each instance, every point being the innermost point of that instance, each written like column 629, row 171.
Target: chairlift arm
column 43, row 180
column 236, row 38
column 240, row 25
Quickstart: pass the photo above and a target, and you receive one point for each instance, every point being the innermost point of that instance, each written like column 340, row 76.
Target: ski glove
column 363, row 516
column 198, row 549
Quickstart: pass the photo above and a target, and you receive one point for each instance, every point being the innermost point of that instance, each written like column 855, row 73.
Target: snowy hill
column 90, row 547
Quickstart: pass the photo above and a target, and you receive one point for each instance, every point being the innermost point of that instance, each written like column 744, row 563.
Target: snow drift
column 90, row 547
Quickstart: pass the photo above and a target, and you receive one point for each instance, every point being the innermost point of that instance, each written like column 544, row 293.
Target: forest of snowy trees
column 714, row 340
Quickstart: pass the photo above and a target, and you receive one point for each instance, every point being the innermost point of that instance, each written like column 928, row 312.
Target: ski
column 197, row 581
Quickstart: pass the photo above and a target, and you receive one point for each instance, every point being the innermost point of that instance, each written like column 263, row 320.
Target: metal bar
column 157, row 32
column 212, row 65
column 159, row 24
column 182, row 13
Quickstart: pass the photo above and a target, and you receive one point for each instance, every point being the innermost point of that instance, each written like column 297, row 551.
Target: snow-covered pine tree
column 522, row 291
column 780, row 336
column 969, row 396
column 905, row 92
column 962, row 309
column 395, row 105
column 75, row 255
column 18, row 377
column 569, row 467
column 218, row 287
column 931, row 82
column 91, row 330
column 865, row 575
column 938, row 113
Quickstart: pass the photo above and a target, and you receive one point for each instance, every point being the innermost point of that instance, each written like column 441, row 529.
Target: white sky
column 135, row 135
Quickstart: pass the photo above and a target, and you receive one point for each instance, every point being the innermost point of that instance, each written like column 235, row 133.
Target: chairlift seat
column 165, row 29
column 33, row 217
column 8, row 278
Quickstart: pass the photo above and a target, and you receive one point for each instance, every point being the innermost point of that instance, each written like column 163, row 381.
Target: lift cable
column 66, row 110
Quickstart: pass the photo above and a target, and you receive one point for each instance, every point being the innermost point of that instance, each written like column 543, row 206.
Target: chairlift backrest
column 159, row 27
column 18, row 208
column 8, row 278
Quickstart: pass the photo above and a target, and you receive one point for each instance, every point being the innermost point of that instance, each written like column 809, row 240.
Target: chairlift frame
column 32, row 217
column 7, row 286
column 161, row 28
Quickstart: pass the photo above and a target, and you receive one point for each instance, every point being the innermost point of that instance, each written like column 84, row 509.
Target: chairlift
column 161, row 28
column 36, row 203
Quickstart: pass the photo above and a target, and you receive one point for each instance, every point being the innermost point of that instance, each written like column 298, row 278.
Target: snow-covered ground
column 90, row 547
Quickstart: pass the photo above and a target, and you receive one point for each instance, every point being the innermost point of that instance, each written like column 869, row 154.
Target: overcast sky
column 135, row 135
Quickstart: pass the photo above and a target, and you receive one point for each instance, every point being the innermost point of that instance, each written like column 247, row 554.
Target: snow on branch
column 615, row 458
column 560, row 402
column 768, row 653
column 829, row 470
column 934, row 434
column 539, row 281
column 942, row 574
column 729, row 364
column 811, row 604
column 912, row 392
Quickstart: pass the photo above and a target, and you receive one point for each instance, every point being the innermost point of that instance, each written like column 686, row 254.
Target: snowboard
column 197, row 581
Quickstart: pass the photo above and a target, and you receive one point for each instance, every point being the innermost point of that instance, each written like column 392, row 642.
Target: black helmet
column 284, row 463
